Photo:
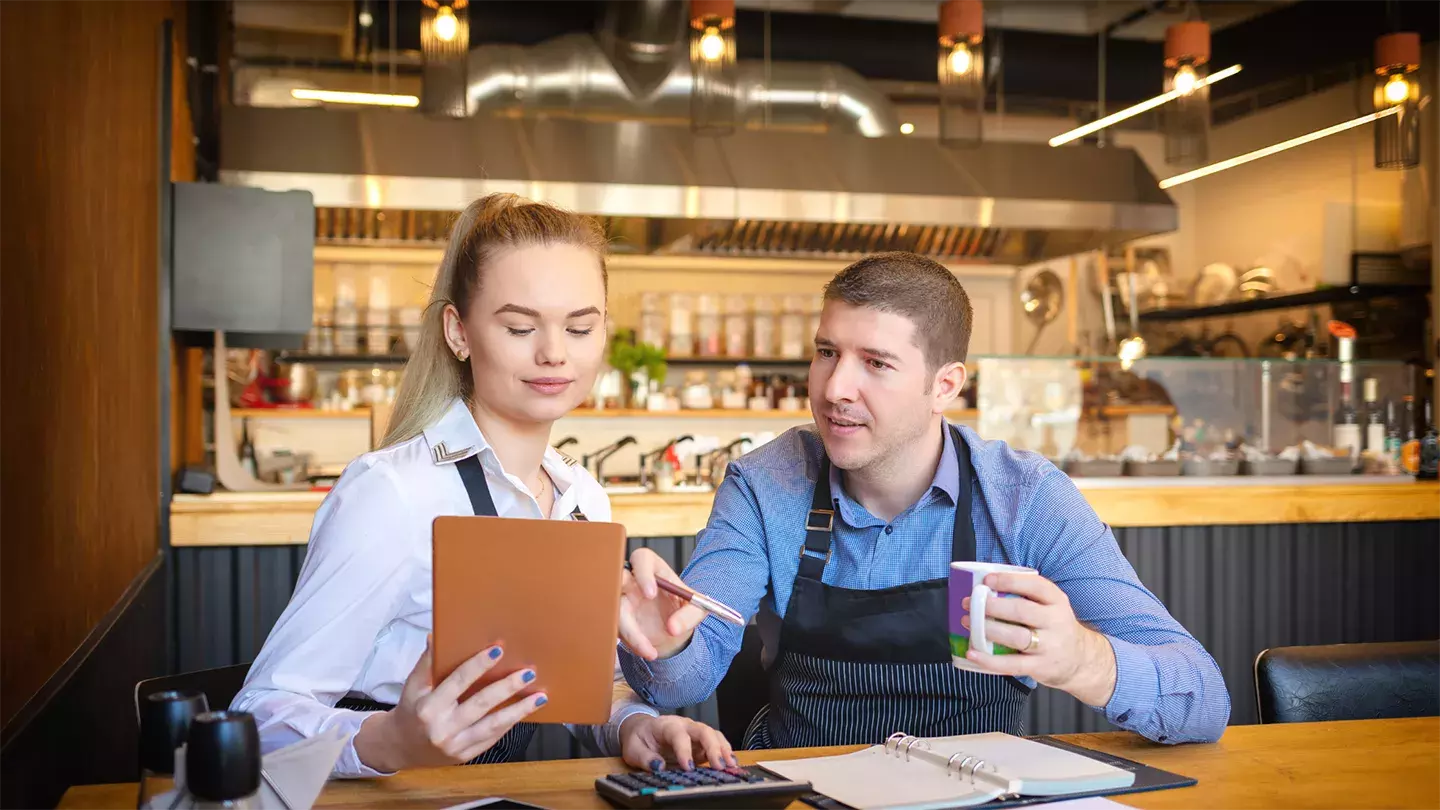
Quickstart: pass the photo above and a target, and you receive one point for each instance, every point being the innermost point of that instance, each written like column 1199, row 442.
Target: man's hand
column 647, row 742
column 653, row 623
column 1069, row 655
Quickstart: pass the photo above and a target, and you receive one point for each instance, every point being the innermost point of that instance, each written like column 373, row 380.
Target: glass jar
column 763, row 326
column 817, row 304
column 792, row 328
column 707, row 325
column 652, row 320
column 682, row 326
column 697, row 394
column 737, row 326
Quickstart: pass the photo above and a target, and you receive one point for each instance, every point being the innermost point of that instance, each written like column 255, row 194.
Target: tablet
column 548, row 591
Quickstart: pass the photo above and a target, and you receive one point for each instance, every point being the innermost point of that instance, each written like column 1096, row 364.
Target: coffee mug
column 968, row 579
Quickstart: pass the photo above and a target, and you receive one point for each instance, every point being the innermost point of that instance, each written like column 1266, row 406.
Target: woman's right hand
column 430, row 726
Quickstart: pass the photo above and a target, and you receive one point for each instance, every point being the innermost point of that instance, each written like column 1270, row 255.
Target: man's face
column 870, row 393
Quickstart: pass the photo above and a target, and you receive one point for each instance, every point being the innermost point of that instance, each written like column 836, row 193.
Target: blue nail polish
column 494, row 653
column 541, row 701
column 528, row 676
column 657, row 764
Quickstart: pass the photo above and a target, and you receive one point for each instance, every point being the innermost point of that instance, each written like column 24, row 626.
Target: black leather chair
column 1348, row 682
column 220, row 685
column 744, row 690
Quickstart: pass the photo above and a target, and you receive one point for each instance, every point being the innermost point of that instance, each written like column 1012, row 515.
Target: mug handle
column 978, row 596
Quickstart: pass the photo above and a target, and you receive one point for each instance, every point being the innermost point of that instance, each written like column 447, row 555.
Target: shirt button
column 889, row 529
column 1123, row 716
column 1163, row 738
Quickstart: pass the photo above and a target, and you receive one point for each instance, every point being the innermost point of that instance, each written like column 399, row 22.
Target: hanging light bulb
column 712, row 45
column 445, row 24
column 1185, row 80
column 1185, row 121
column 713, row 89
column 960, row 59
column 1397, row 137
column 444, row 51
column 961, row 71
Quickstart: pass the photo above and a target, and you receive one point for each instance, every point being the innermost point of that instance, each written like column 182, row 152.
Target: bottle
column 1347, row 421
column 1392, row 435
column 1374, row 419
column 1410, row 448
column 1429, row 466
column 247, row 450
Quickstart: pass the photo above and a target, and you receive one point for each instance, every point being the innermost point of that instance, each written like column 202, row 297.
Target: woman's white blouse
column 361, row 609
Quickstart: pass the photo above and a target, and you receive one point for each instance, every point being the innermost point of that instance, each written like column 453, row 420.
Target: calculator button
column 648, row 791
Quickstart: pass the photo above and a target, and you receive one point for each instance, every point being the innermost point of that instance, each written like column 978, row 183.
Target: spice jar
column 682, row 326
column 792, row 328
column 737, row 326
column 652, row 319
column 763, row 326
column 707, row 325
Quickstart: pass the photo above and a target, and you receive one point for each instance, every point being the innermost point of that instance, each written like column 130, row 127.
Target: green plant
column 629, row 356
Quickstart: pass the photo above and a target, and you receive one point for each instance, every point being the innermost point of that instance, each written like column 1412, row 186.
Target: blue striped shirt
column 1167, row 688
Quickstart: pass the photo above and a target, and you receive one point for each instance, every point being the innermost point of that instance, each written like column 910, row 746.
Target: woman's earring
column 461, row 354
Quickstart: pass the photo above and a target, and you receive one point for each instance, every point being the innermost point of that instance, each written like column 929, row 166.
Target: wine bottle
column 1429, row 466
column 1374, row 419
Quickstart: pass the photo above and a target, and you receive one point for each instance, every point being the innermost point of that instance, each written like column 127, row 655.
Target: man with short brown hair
column 841, row 534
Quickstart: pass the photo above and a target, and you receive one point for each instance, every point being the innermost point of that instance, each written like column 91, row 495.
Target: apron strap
column 472, row 475
column 962, row 541
column 819, row 526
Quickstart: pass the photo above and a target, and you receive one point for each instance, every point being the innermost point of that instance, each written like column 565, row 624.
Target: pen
column 699, row 600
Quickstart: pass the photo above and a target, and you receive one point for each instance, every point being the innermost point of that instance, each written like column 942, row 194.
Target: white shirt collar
column 455, row 436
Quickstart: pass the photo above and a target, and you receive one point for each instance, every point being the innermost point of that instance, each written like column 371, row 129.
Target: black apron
column 855, row 666
column 512, row 745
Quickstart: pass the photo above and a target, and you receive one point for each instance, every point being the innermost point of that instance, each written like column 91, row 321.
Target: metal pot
column 299, row 381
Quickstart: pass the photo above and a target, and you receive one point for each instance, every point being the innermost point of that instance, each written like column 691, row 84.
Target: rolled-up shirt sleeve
column 355, row 574
column 1167, row 687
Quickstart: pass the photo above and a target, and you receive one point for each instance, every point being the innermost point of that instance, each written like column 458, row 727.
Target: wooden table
column 1361, row 763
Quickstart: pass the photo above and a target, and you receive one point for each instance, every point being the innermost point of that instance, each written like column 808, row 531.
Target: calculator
column 701, row 787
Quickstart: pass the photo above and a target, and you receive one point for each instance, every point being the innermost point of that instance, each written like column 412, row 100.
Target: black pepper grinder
column 222, row 761
column 165, row 719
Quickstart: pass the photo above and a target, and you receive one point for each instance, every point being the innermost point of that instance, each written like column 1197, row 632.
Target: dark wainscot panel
column 1239, row 589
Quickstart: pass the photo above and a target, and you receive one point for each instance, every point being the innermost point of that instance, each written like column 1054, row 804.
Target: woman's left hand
column 648, row 742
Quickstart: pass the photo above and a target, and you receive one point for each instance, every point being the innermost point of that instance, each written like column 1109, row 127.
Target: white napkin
column 290, row 778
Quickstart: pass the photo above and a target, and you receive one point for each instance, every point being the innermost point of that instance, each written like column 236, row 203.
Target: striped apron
column 855, row 666
column 512, row 745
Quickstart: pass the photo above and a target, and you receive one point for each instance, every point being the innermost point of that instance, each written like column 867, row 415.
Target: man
column 840, row 535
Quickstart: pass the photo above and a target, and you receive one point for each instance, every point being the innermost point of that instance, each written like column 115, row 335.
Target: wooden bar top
column 283, row 518
column 1359, row 763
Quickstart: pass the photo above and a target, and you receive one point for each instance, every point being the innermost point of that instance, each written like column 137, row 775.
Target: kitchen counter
column 284, row 518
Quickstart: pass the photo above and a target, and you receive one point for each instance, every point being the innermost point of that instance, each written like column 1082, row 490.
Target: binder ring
column 951, row 761
column 911, row 744
column 975, row 767
column 896, row 738
column 960, row 771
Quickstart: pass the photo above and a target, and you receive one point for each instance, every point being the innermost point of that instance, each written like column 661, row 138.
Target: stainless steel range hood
column 764, row 191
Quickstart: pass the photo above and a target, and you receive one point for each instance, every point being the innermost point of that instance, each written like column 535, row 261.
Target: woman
column 512, row 340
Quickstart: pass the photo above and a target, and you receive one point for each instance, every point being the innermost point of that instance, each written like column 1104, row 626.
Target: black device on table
column 701, row 787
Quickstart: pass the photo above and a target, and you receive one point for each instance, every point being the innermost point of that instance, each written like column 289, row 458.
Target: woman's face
column 536, row 331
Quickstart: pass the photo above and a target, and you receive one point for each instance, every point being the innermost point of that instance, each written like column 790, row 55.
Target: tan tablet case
column 547, row 590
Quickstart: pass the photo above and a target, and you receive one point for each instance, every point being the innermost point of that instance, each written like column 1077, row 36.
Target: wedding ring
column 1034, row 641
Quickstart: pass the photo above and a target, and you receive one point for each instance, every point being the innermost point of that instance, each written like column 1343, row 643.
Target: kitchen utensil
column 1270, row 466
column 1160, row 467
column 1041, row 300
column 1215, row 284
column 1257, row 282
column 299, row 381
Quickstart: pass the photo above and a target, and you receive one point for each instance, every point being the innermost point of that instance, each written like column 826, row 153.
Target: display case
column 1202, row 416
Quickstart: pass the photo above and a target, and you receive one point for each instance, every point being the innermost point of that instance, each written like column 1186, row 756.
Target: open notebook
column 912, row 773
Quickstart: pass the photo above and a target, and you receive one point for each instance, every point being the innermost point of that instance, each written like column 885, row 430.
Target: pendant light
column 960, row 67
column 1397, row 136
column 444, row 51
column 1185, row 120
column 712, row 67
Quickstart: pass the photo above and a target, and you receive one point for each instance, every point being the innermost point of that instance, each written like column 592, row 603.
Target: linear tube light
column 1130, row 112
column 1238, row 160
column 346, row 97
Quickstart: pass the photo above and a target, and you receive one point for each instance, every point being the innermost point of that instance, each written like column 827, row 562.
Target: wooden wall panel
column 79, row 471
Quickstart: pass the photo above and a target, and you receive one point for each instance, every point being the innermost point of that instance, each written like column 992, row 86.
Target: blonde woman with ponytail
column 512, row 340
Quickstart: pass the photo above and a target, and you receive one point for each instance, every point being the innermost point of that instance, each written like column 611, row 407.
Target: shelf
column 1328, row 295
column 344, row 359
column 298, row 413
column 759, row 362
column 717, row 413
